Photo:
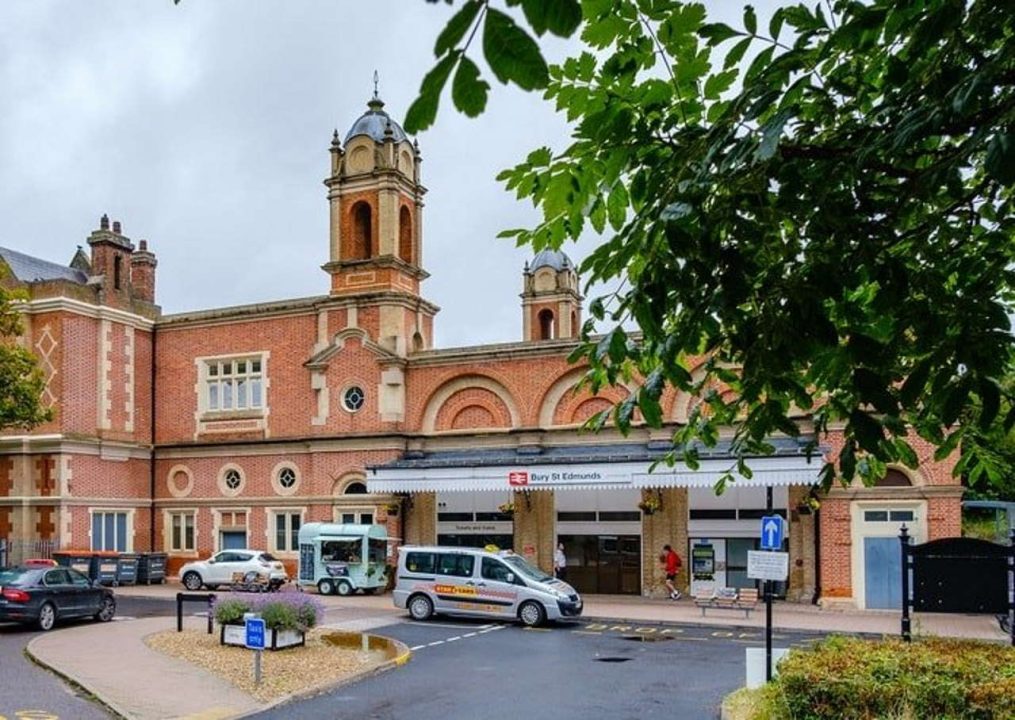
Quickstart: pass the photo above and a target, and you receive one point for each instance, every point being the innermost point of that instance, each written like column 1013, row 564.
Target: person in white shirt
column 560, row 563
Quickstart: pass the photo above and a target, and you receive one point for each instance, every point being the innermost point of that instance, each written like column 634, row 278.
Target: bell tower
column 551, row 303
column 376, row 202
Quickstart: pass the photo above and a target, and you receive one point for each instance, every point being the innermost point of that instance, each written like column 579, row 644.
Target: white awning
column 769, row 471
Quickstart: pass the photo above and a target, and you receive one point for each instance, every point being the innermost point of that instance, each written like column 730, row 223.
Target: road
column 28, row 691
column 583, row 670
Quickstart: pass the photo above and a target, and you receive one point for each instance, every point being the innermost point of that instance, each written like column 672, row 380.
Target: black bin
column 151, row 568
column 104, row 567
column 80, row 560
column 126, row 569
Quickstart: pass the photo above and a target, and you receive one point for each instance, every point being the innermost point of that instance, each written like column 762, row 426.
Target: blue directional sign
column 255, row 633
column 773, row 528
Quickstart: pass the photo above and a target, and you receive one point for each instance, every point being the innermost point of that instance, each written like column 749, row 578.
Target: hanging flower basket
column 650, row 505
column 507, row 508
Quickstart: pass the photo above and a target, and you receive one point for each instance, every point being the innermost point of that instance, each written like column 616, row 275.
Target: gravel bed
column 283, row 672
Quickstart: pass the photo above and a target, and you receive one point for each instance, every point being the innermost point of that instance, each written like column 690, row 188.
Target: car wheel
column 326, row 587
column 47, row 617
column 108, row 610
column 532, row 614
column 420, row 607
column 344, row 587
column 192, row 581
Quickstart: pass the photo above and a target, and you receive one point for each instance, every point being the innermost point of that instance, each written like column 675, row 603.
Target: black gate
column 957, row 575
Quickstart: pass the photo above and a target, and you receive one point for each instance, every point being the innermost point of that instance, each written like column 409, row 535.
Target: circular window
column 231, row 480
column 180, row 481
column 285, row 478
column 353, row 399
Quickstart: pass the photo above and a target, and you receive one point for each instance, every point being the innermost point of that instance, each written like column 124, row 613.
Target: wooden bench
column 745, row 600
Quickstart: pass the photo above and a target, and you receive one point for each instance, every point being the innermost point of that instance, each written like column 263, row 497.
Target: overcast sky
column 204, row 128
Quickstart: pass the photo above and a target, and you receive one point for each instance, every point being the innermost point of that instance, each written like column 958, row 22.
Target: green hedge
column 849, row 678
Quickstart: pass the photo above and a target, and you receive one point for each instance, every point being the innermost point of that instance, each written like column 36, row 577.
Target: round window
column 233, row 479
column 353, row 399
column 287, row 477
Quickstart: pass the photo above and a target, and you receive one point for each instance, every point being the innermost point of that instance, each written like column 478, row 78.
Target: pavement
column 141, row 684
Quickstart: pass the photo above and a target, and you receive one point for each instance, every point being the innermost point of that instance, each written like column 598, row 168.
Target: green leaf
column 716, row 33
column 775, row 24
column 750, row 20
column 1000, row 162
column 616, row 206
column 560, row 17
column 469, row 91
column 736, row 53
column 511, row 53
column 423, row 110
column 456, row 28
column 990, row 395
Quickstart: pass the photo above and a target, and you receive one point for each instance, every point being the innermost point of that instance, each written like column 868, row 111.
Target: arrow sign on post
column 772, row 531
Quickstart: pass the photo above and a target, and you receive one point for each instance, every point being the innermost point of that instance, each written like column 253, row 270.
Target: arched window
column 894, row 478
column 417, row 342
column 362, row 232
column 356, row 488
column 117, row 271
column 546, row 325
column 574, row 324
column 405, row 234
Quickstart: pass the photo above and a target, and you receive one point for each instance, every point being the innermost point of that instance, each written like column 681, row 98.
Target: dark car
column 42, row 595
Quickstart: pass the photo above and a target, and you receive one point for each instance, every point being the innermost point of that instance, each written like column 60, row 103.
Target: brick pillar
column 421, row 520
column 534, row 527
column 802, row 561
column 667, row 526
column 6, row 477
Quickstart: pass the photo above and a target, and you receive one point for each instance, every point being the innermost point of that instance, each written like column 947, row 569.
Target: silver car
column 476, row 582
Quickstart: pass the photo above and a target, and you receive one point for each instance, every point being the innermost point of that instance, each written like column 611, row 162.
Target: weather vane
column 375, row 85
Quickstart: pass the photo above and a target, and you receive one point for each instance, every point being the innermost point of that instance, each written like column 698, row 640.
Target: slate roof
column 32, row 269
column 569, row 455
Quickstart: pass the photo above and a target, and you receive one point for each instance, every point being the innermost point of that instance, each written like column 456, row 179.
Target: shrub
column 280, row 611
column 845, row 678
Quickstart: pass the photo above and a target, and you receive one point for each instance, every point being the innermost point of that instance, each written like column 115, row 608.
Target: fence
column 13, row 552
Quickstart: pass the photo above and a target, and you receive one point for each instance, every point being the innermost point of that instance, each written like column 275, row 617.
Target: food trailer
column 343, row 558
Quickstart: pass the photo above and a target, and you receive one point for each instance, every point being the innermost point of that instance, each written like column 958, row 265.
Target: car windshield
column 517, row 563
column 17, row 577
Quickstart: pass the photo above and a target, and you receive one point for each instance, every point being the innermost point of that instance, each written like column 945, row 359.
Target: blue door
column 234, row 540
column 882, row 561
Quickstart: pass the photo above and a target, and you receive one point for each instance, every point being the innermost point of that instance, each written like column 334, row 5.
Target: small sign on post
column 773, row 530
column 767, row 565
column 254, row 639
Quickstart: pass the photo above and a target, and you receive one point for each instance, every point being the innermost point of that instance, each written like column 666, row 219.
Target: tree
column 828, row 222
column 21, row 381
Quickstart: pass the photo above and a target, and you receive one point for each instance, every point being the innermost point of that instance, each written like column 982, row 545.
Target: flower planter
column 273, row 639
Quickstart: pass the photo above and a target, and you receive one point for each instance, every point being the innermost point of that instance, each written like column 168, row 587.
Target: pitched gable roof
column 30, row 269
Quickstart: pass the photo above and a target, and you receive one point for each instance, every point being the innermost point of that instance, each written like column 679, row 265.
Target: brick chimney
column 142, row 273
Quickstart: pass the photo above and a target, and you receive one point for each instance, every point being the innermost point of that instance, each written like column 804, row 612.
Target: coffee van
column 482, row 583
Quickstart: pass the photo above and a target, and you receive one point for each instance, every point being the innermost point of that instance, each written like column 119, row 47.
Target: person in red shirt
column 672, row 562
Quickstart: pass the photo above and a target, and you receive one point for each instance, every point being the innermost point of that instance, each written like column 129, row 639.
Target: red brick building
column 233, row 427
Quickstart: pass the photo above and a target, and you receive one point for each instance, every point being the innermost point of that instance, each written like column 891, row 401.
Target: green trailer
column 341, row 559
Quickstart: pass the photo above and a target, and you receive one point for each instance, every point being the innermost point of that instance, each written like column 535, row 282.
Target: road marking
column 435, row 642
column 417, row 647
column 456, row 637
column 469, row 635
column 585, row 632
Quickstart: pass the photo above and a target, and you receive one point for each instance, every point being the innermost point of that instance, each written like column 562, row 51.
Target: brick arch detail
column 684, row 402
column 560, row 403
column 481, row 404
column 445, row 392
column 588, row 408
column 470, row 417
column 343, row 481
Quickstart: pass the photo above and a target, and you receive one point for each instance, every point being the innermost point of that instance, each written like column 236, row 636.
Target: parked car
column 227, row 567
column 43, row 595
column 478, row 582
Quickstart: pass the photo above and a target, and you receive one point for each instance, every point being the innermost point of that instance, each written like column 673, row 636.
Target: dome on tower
column 555, row 259
column 375, row 123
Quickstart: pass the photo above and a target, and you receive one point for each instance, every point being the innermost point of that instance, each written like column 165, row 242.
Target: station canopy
column 584, row 467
